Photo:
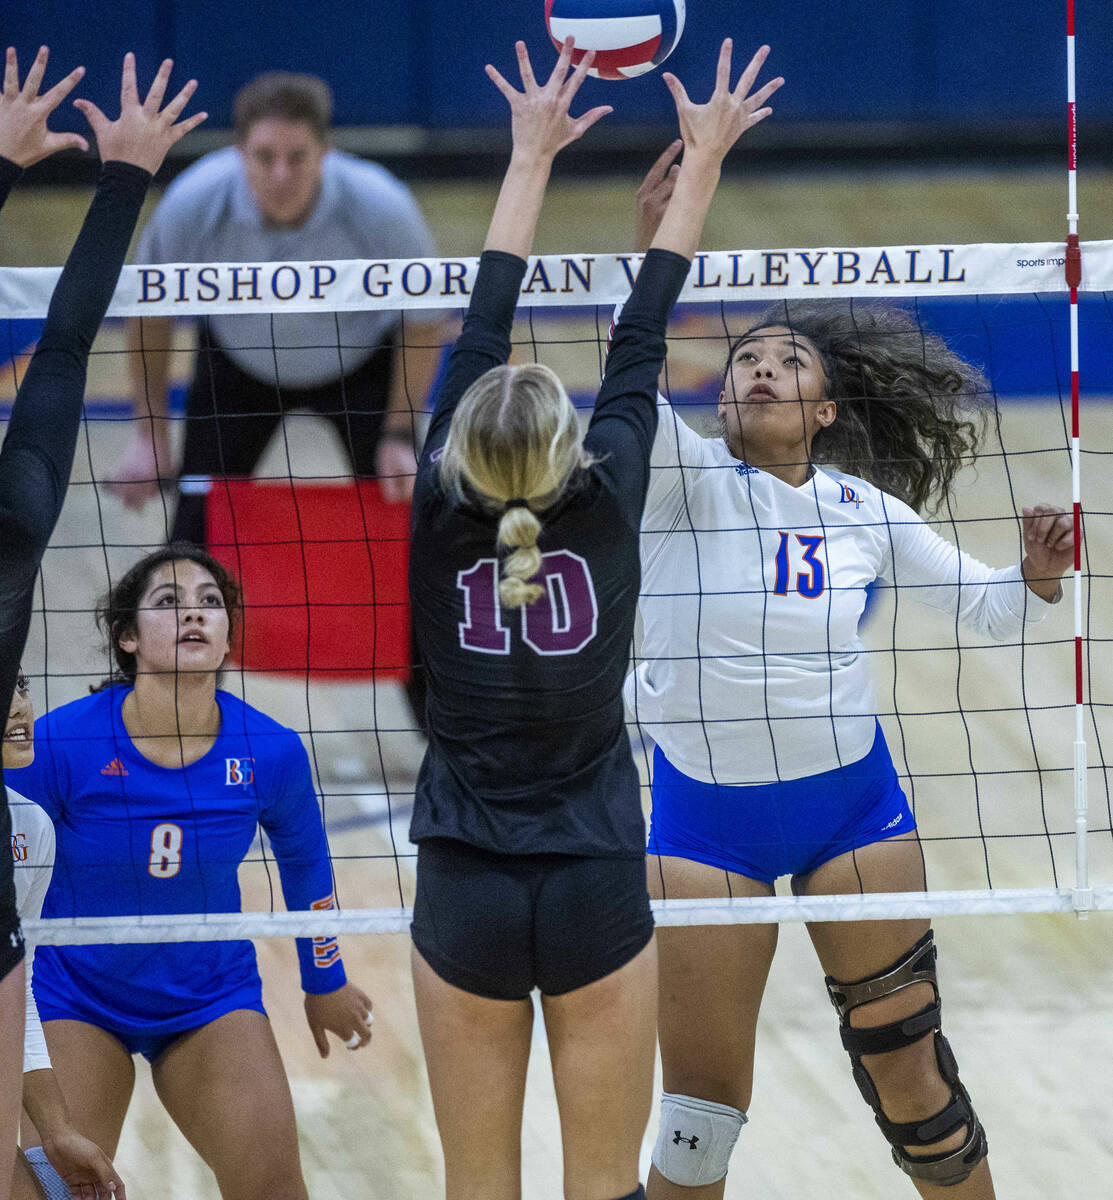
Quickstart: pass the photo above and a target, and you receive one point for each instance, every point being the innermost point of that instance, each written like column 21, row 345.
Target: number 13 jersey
column 750, row 668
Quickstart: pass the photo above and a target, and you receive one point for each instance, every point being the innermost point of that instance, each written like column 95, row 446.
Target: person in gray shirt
column 281, row 193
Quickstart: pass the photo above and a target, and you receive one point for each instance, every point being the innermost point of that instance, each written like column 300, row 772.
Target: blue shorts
column 151, row 1043
column 764, row 831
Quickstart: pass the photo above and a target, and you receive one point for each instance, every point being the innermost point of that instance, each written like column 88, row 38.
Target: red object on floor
column 323, row 571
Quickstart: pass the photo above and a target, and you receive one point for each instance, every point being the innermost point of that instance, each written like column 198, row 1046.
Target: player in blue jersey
column 839, row 424
column 38, row 449
column 62, row 1157
column 157, row 785
column 524, row 581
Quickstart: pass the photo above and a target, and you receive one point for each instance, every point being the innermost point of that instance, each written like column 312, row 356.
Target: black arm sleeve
column 625, row 419
column 484, row 341
column 37, row 455
column 9, row 173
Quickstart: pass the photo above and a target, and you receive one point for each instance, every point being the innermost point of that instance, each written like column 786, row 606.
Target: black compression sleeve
column 9, row 173
column 37, row 454
column 484, row 341
column 624, row 422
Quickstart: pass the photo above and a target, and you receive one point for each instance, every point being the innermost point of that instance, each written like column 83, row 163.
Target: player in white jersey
column 757, row 550
column 64, row 1157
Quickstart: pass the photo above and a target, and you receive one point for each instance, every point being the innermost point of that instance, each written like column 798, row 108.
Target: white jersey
column 33, row 852
column 750, row 668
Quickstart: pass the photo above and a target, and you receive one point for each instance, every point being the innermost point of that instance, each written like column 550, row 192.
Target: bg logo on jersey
column 239, row 771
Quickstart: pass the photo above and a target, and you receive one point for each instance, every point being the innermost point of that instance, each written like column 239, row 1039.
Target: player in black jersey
column 38, row 450
column 528, row 818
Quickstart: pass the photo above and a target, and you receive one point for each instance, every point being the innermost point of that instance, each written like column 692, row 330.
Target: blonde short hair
column 515, row 437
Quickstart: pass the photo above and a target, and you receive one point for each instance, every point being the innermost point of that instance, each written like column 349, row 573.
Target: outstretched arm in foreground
column 541, row 126
column 37, row 454
column 24, row 137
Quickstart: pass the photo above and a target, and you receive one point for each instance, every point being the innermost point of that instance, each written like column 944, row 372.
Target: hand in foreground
column 345, row 1012
column 142, row 134
column 709, row 130
column 135, row 478
column 1048, row 548
column 539, row 118
column 396, row 467
column 654, row 195
column 24, row 137
column 83, row 1166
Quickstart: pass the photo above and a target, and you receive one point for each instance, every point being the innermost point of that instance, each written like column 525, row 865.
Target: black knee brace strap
column 917, row 966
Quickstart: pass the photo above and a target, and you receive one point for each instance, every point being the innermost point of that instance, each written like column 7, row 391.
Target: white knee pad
column 695, row 1140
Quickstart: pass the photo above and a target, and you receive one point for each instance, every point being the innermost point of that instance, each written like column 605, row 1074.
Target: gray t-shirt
column 209, row 215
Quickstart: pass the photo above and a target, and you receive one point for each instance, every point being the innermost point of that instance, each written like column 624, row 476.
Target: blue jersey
column 134, row 838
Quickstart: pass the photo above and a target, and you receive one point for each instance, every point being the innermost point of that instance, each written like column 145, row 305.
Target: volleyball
column 629, row 37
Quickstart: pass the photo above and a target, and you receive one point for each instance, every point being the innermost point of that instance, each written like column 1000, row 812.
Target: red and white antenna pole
column 1083, row 894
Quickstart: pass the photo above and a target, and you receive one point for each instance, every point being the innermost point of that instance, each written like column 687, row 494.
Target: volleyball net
column 1001, row 748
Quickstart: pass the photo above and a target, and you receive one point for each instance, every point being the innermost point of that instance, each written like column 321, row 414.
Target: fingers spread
column 589, row 118
column 572, row 86
column 174, row 109
column 35, row 75
column 158, row 87
column 750, row 73
column 525, row 68
column 189, row 125
column 60, row 91
column 660, row 168
column 11, row 72
column 561, row 67
column 504, row 87
column 129, row 90
column 92, row 114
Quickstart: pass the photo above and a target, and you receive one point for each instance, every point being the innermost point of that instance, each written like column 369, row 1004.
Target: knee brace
column 695, row 1139
column 917, row 966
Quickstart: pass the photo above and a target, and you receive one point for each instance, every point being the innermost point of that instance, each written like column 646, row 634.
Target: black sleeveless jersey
column 528, row 750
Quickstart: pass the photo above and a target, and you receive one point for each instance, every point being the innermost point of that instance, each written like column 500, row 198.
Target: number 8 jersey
column 750, row 668
column 138, row 839
column 528, row 749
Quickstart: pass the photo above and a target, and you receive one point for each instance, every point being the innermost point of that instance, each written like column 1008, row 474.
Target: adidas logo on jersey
column 115, row 767
column 742, row 469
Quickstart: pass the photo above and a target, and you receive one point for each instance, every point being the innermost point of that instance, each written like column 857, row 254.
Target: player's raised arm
column 24, row 137
column 541, row 126
column 708, row 131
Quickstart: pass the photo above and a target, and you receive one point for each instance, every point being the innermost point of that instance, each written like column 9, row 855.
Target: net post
column 1083, row 893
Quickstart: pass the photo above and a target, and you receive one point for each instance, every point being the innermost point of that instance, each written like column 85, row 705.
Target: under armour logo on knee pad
column 691, row 1141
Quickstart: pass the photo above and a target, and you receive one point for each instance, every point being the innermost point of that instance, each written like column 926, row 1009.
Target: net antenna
column 1083, row 893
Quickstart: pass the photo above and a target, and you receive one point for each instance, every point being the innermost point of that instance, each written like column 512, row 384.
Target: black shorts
column 231, row 416
column 499, row 925
column 11, row 933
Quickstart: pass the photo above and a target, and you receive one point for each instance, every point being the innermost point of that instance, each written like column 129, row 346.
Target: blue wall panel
column 421, row 61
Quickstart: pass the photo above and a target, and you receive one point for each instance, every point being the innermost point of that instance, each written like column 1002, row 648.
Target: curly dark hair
column 117, row 612
column 911, row 412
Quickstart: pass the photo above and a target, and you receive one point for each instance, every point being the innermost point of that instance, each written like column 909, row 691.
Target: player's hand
column 539, row 119
column 709, row 130
column 83, row 1166
column 396, row 467
column 143, row 132
column 654, row 195
column 136, row 478
column 345, row 1012
column 24, row 137
column 1048, row 548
